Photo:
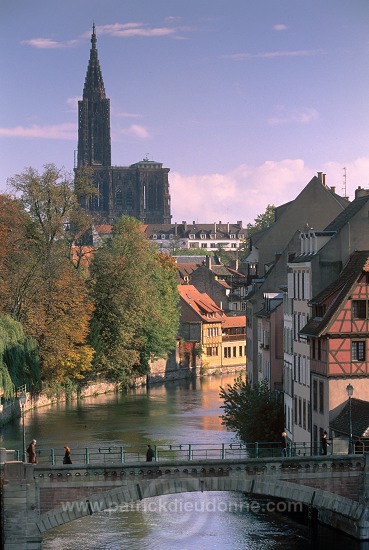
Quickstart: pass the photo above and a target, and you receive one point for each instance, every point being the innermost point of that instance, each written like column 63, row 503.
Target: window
column 315, row 395
column 295, row 411
column 304, row 414
column 154, row 237
column 119, row 198
column 192, row 236
column 202, row 236
column 232, row 236
column 204, row 245
column 358, row 350
column 234, row 351
column 227, row 352
column 321, row 397
column 359, row 309
column 240, row 350
column 162, row 236
column 193, row 245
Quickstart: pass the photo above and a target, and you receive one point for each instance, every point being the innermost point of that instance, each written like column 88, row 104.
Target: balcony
column 233, row 337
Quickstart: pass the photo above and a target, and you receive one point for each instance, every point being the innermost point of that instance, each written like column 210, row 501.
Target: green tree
column 19, row 359
column 135, row 299
column 262, row 221
column 55, row 307
column 252, row 411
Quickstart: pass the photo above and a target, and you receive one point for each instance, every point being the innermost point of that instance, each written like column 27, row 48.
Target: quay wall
column 161, row 370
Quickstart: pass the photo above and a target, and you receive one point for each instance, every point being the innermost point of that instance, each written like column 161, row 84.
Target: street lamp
column 22, row 403
column 350, row 391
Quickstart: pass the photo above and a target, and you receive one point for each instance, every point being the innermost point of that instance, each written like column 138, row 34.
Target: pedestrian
column 31, row 450
column 67, row 459
column 325, row 443
column 149, row 454
column 284, row 444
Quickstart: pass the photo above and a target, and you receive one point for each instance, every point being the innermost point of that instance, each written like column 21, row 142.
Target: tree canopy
column 262, row 221
column 252, row 411
column 39, row 283
column 135, row 298
column 113, row 318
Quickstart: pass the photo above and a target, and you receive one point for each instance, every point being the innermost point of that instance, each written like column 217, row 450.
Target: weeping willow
column 19, row 360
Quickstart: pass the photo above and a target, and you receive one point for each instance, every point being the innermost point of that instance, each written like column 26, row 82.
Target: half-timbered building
column 338, row 334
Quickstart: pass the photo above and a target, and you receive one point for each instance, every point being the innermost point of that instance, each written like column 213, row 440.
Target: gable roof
column 201, row 303
column 358, row 262
column 349, row 212
column 359, row 418
column 185, row 270
column 231, row 321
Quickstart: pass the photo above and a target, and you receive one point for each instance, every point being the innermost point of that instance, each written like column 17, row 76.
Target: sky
column 244, row 100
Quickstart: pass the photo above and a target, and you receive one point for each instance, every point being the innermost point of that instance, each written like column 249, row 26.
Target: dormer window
column 154, row 237
column 241, row 235
column 171, row 236
column 162, row 236
column 232, row 236
column 192, row 236
column 212, row 235
column 202, row 236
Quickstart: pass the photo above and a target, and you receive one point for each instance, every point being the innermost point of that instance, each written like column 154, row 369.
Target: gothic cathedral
column 140, row 190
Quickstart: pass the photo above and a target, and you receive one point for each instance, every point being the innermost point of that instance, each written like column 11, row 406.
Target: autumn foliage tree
column 54, row 306
column 135, row 297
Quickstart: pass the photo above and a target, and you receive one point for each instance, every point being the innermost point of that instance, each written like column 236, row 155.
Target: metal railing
column 188, row 451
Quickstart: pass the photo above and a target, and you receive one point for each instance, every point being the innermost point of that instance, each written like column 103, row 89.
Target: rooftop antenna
column 344, row 189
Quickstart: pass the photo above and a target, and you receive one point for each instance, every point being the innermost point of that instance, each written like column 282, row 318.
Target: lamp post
column 350, row 391
column 22, row 403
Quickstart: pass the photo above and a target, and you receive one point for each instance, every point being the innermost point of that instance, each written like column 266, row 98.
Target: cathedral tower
column 94, row 147
column 141, row 189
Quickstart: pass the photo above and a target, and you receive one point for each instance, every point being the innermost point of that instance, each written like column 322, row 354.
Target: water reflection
column 178, row 412
column 215, row 520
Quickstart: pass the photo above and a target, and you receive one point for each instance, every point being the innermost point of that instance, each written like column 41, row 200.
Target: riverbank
column 161, row 371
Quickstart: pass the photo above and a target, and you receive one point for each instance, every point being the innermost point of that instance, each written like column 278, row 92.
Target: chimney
column 184, row 225
column 360, row 192
column 333, row 188
column 215, row 227
column 208, row 262
column 175, row 229
column 240, row 224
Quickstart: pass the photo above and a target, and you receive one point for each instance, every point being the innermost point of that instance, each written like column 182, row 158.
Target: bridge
column 37, row 498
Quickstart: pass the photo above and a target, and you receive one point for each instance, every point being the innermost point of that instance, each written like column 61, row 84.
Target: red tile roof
column 201, row 303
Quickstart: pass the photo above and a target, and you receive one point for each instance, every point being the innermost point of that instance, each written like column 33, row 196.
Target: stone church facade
column 140, row 190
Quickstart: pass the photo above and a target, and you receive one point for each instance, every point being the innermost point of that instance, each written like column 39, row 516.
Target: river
column 177, row 412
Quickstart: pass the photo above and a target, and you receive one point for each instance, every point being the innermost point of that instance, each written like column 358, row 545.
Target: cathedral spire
column 94, row 147
column 93, row 37
column 94, row 84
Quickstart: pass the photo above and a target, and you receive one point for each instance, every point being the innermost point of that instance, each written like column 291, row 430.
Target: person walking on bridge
column 67, row 459
column 149, row 454
column 325, row 443
column 31, row 450
column 284, row 444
